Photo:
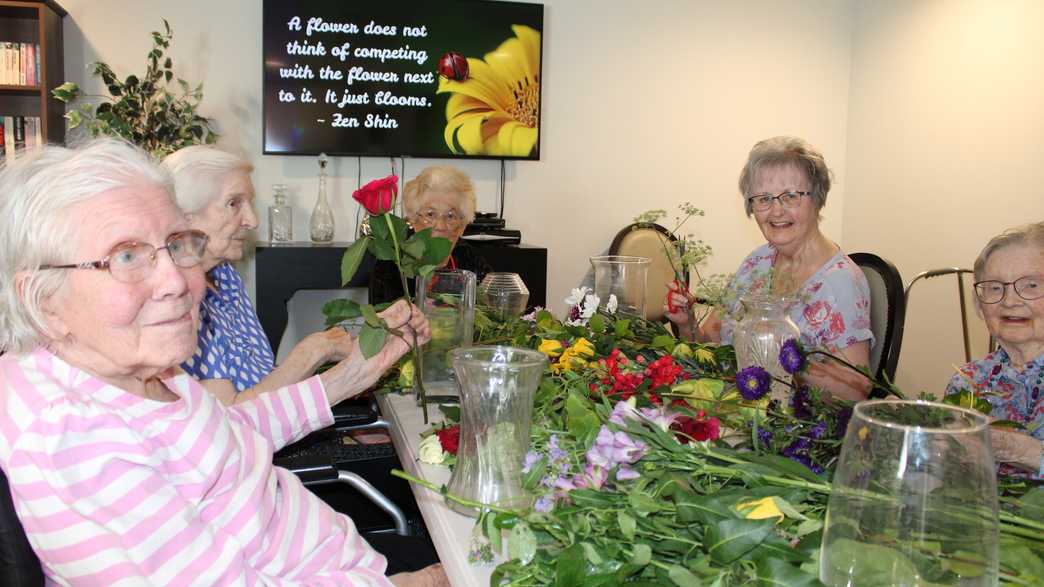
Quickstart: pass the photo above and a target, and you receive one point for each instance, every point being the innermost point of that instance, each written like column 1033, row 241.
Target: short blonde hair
column 198, row 173
column 786, row 151
column 1027, row 234
column 36, row 192
column 440, row 178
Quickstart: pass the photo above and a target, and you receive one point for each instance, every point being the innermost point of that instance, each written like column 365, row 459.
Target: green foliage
column 144, row 110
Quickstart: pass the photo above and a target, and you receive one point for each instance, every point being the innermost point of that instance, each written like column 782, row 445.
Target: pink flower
column 816, row 313
column 378, row 196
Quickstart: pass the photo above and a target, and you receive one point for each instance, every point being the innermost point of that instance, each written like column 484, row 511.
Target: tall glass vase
column 760, row 334
column 497, row 388
column 447, row 298
column 321, row 224
column 914, row 499
column 623, row 276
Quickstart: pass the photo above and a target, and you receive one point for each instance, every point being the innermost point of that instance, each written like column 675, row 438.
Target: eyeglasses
column 1029, row 287
column 432, row 216
column 131, row 262
column 762, row 202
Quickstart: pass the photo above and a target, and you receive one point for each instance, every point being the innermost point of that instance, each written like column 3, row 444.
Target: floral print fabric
column 1015, row 395
column 833, row 308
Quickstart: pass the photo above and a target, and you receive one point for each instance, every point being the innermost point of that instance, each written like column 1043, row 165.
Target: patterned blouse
column 1015, row 395
column 834, row 304
column 231, row 343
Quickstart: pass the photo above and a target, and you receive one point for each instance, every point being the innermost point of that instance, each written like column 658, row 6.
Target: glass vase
column 497, row 388
column 321, row 225
column 914, row 499
column 623, row 276
column 447, row 298
column 503, row 295
column 760, row 334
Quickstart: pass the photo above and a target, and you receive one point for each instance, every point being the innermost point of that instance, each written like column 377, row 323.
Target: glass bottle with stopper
column 322, row 224
column 280, row 217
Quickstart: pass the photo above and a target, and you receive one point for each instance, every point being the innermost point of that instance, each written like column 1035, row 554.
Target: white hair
column 198, row 172
column 440, row 178
column 36, row 193
column 1028, row 234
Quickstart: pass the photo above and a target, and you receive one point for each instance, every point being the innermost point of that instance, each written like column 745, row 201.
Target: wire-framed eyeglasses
column 1028, row 287
column 130, row 262
column 762, row 202
column 431, row 216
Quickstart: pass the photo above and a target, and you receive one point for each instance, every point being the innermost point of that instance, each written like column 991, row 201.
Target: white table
column 450, row 531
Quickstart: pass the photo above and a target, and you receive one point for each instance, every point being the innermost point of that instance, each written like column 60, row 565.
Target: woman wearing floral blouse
column 1009, row 287
column 784, row 185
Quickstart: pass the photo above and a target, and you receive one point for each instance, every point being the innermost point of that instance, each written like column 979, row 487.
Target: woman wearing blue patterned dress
column 213, row 187
column 1009, row 291
column 784, row 185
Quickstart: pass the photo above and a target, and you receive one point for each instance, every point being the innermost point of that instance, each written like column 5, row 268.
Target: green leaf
column 493, row 533
column 1032, row 504
column 774, row 572
column 522, row 543
column 369, row 314
column 352, row 258
column 371, row 340
column 596, row 323
column 706, row 509
column 1022, row 561
column 569, row 568
column 869, row 564
column 627, row 524
column 341, row 309
column 683, row 577
column 581, row 421
column 664, row 342
column 641, row 555
column 642, row 503
column 729, row 539
column 622, row 327
column 414, row 247
column 591, row 554
column 535, row 474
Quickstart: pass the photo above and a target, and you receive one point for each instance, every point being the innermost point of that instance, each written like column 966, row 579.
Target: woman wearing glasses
column 213, row 187
column 1009, row 287
column 441, row 198
column 122, row 471
column 784, row 185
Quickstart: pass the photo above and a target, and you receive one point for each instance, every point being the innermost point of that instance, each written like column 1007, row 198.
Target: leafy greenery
column 144, row 110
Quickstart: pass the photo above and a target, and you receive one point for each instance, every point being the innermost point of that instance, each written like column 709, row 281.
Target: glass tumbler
column 914, row 499
column 447, row 298
column 623, row 276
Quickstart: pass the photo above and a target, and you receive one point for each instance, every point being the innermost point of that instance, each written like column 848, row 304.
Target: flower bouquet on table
column 413, row 255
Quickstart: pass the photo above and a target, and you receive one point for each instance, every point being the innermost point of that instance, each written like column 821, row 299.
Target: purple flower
column 614, row 448
column 593, row 477
column 753, row 382
column 843, row 417
column 660, row 416
column 553, row 449
column 625, row 473
column 621, row 412
column 817, row 431
column 765, row 437
column 799, row 404
column 544, row 504
column 532, row 458
column 806, row 460
column 791, row 357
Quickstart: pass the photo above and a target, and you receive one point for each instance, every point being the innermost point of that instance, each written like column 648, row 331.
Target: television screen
column 457, row 78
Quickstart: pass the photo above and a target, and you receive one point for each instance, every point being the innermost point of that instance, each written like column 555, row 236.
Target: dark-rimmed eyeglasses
column 762, row 202
column 1028, row 287
column 130, row 262
column 432, row 216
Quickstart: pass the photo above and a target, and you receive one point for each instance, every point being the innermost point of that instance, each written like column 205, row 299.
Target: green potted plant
column 143, row 109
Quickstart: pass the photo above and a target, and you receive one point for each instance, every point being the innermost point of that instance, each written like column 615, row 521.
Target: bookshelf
column 36, row 23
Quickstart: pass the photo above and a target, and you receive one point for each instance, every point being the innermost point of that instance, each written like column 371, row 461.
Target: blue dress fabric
column 231, row 344
column 833, row 307
column 1014, row 394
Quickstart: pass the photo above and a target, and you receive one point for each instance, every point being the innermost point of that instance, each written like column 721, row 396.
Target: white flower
column 576, row 296
column 431, row 450
column 590, row 306
column 610, row 306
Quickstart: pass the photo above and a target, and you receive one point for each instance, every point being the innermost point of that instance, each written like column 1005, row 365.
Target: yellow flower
column 551, row 348
column 496, row 110
column 761, row 509
column 583, row 348
column 704, row 355
column 406, row 374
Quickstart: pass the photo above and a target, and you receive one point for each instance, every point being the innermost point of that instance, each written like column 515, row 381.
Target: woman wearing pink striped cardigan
column 121, row 471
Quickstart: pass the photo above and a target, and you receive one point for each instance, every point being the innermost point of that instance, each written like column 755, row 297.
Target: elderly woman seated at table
column 784, row 185
column 1009, row 291
column 441, row 198
column 120, row 470
column 213, row 187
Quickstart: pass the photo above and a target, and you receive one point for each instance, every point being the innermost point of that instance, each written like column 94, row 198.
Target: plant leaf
column 775, row 572
column 522, row 543
column 352, row 258
column 729, row 539
column 569, row 568
column 627, row 524
column 371, row 340
column 683, row 577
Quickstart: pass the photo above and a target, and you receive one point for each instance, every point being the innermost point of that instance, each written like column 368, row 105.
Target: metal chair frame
column 960, row 272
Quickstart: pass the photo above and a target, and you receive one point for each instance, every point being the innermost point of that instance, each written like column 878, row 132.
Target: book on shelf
column 19, row 64
column 20, row 134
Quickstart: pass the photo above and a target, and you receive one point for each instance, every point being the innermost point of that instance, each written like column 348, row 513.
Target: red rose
column 449, row 438
column 378, row 196
column 700, row 428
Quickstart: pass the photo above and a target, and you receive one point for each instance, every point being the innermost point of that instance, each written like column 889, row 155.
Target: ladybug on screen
column 453, row 66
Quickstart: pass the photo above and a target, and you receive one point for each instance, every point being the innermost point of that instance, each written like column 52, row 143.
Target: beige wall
column 944, row 150
column 646, row 104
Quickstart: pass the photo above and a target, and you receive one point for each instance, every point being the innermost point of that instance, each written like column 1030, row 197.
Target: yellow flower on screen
column 496, row 110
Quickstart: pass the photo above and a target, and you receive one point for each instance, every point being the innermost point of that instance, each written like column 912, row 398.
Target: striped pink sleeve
column 288, row 413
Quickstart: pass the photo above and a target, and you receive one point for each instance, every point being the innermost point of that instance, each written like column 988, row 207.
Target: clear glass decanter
column 322, row 224
column 280, row 217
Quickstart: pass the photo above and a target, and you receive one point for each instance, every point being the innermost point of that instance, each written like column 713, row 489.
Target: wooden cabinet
column 36, row 23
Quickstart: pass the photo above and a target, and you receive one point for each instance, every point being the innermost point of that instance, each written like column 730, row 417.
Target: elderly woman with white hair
column 1009, row 292
column 441, row 198
column 213, row 187
column 122, row 471
column 784, row 185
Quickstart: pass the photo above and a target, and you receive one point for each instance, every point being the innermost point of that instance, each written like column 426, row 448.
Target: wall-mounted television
column 455, row 78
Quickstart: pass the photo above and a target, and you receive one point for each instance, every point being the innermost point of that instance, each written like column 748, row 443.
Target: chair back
column 887, row 312
column 960, row 273
column 19, row 566
column 646, row 240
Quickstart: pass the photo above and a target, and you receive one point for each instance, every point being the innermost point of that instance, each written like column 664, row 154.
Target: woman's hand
column 1016, row 448
column 838, row 379
column 325, row 346
column 431, row 576
column 678, row 309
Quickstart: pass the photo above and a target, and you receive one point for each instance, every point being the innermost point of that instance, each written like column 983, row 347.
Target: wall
column 944, row 150
column 646, row 104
